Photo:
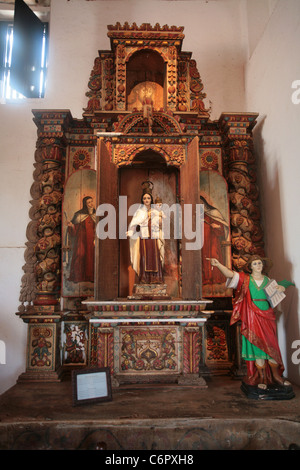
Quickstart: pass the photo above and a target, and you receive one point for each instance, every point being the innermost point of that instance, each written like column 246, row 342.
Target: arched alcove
column 150, row 165
column 145, row 78
column 149, row 159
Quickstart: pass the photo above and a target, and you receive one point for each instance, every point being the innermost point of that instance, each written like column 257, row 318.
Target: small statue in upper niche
column 147, row 102
column 255, row 293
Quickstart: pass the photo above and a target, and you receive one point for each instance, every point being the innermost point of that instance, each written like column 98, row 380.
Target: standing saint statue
column 146, row 240
column 251, row 307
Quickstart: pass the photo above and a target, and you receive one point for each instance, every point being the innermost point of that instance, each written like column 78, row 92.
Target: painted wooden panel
column 191, row 258
column 78, row 231
column 214, row 197
column 107, row 250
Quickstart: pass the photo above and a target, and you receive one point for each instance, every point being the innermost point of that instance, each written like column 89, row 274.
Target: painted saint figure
column 216, row 231
column 81, row 230
column 260, row 347
column 146, row 240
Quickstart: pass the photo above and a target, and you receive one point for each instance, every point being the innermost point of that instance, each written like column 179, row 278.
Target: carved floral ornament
column 167, row 122
column 124, row 154
column 247, row 236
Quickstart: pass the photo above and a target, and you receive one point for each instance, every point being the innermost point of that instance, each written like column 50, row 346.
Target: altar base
column 149, row 342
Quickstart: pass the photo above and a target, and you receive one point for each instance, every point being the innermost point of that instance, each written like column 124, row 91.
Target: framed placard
column 91, row 385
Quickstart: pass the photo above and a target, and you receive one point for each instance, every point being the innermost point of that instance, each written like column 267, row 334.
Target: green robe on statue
column 250, row 352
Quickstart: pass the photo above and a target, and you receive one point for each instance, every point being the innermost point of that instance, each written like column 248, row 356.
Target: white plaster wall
column 212, row 33
column 17, row 138
column 257, row 15
column 270, row 72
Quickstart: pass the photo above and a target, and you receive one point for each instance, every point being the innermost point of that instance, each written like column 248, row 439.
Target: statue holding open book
column 256, row 296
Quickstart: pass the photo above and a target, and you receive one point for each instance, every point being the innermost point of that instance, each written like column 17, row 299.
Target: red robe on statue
column 150, row 262
column 258, row 326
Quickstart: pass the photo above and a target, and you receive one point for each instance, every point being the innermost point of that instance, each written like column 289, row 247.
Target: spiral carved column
column 48, row 246
column 247, row 236
column 240, row 170
column 41, row 283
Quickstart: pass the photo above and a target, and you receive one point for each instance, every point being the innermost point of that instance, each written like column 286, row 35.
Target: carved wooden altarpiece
column 145, row 118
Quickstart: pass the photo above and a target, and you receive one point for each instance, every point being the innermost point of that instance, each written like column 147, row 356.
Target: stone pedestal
column 43, row 356
column 149, row 292
column 272, row 392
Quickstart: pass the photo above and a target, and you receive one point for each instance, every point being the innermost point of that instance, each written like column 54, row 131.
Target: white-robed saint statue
column 146, row 239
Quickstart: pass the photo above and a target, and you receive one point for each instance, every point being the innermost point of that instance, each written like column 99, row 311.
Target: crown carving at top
column 145, row 31
column 145, row 27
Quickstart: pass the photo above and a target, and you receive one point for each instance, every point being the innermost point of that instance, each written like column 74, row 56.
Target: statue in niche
column 147, row 245
column 81, row 231
column 147, row 102
column 260, row 349
column 146, row 94
column 146, row 97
